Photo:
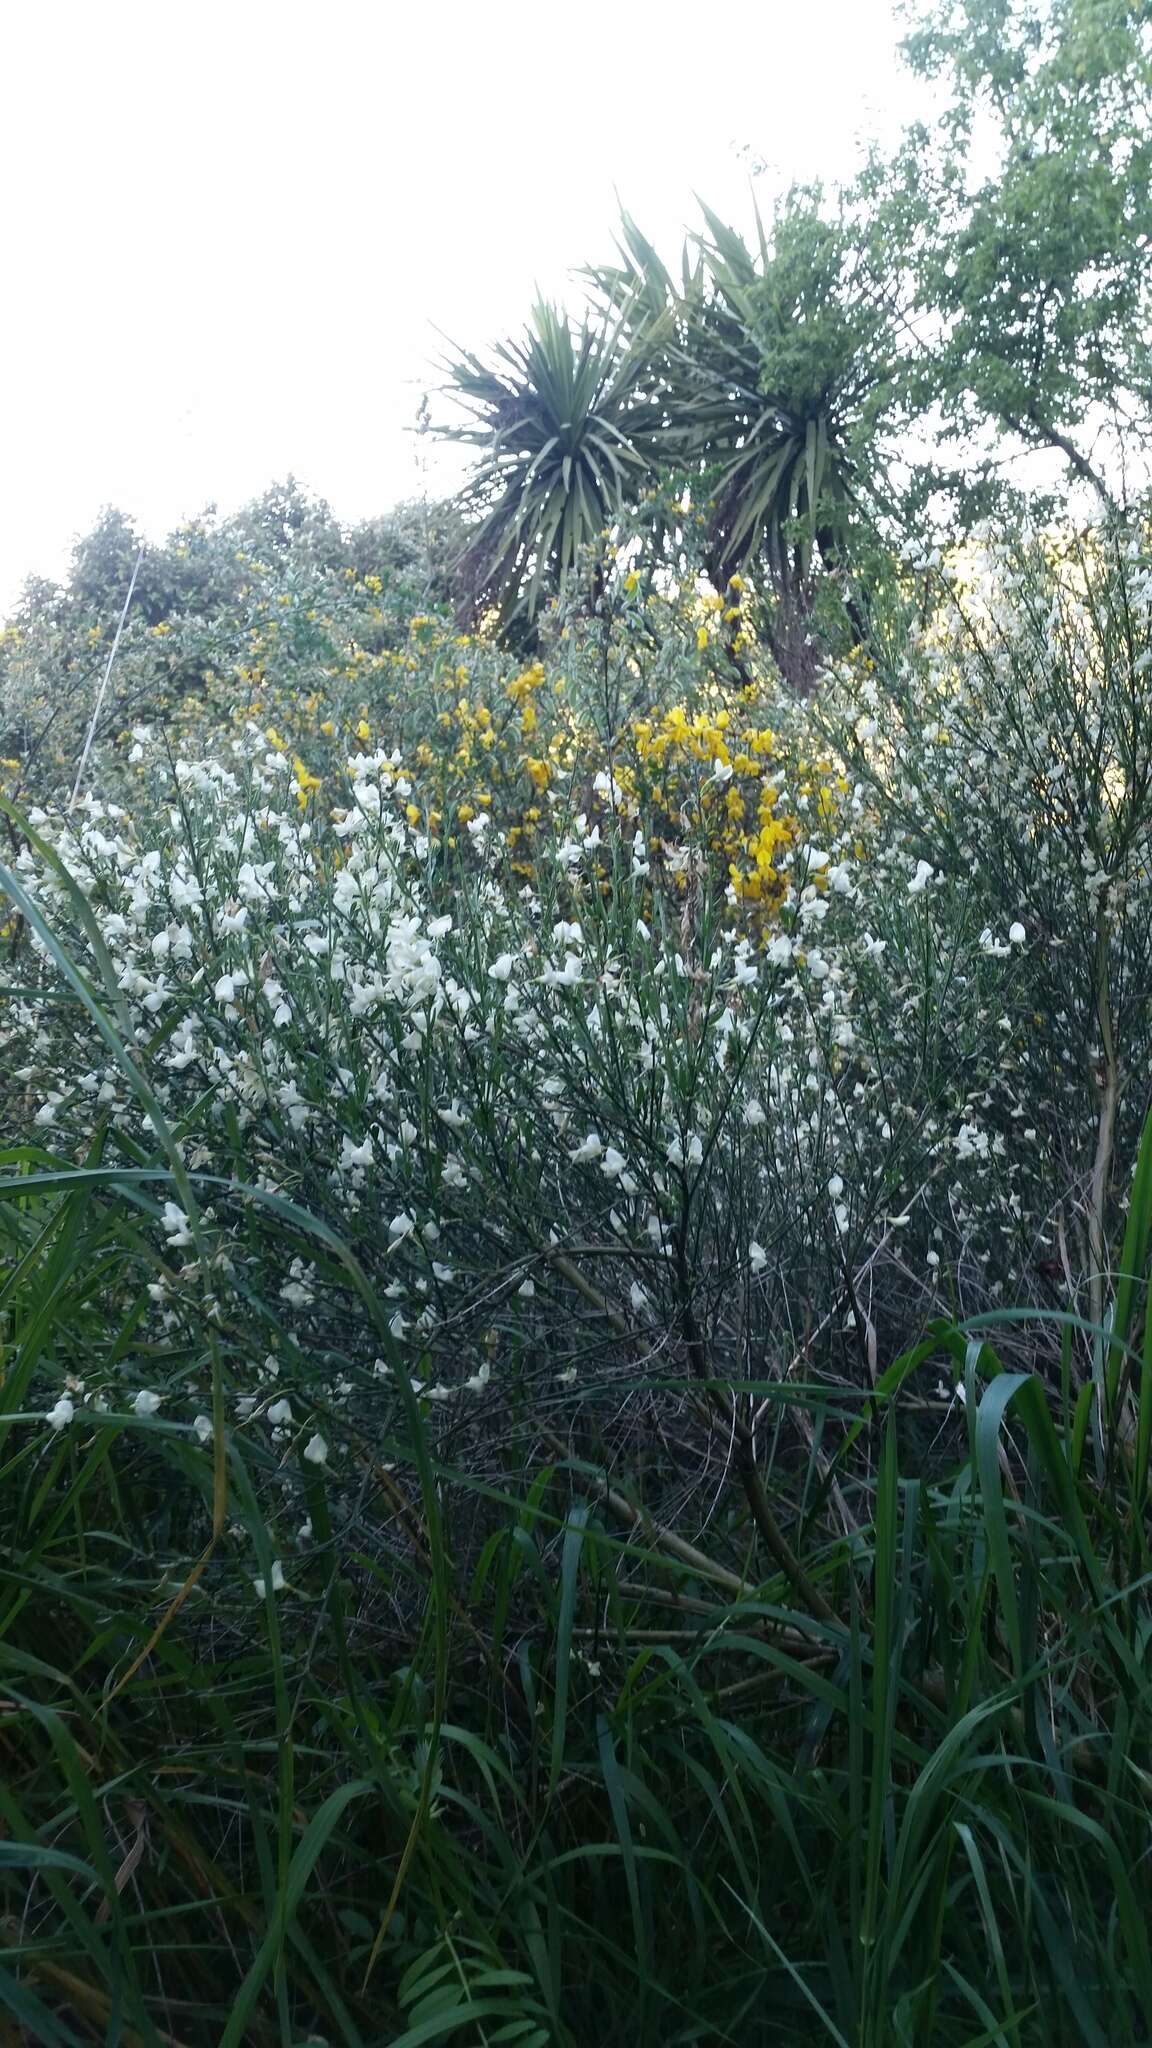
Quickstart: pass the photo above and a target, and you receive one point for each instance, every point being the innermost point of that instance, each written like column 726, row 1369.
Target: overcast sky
column 232, row 231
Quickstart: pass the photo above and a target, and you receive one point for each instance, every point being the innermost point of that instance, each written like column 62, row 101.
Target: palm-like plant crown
column 565, row 425
column 774, row 368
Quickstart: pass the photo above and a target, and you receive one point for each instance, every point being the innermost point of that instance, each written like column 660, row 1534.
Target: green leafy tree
column 1034, row 196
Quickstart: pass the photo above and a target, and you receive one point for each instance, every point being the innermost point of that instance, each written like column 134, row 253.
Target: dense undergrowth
column 576, row 1388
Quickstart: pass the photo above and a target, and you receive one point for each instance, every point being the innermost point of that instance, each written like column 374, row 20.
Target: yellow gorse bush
column 474, row 734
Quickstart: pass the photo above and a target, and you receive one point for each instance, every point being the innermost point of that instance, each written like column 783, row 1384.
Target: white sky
column 231, row 231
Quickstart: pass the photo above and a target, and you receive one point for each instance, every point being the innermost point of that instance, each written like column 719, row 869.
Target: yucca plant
column 564, row 424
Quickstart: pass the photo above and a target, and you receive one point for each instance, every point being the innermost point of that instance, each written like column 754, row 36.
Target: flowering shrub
column 440, row 1042
column 599, row 1055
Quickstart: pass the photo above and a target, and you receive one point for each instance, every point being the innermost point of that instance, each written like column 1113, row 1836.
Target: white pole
column 104, row 684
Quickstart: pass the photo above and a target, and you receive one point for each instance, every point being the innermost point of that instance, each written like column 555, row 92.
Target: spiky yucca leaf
column 565, row 425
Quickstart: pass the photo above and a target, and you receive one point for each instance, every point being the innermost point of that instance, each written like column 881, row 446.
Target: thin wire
column 104, row 684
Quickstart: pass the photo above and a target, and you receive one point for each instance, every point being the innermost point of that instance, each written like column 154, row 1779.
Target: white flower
column 356, row 1155
column 835, row 1187
column 280, row 1413
column 590, row 1148
column 175, row 1223
column 439, row 927
column 401, row 1227
column 754, row 1113
column 613, row 1163
column 526, row 1289
column 61, row 1415
column 316, row 1450
column 677, row 1156
column 757, row 1257
column 921, row 878
column 479, row 1380
column 277, row 1580
column 147, row 1403
column 780, row 952
column 501, row 968
column 1016, row 934
column 566, row 1378
column 971, row 1142
column 226, row 988
column 568, row 976
column 202, row 1429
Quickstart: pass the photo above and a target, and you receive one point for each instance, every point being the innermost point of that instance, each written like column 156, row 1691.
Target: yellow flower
column 701, row 639
column 305, row 781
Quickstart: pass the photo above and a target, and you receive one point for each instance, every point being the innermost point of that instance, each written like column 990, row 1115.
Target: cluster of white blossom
column 490, row 1090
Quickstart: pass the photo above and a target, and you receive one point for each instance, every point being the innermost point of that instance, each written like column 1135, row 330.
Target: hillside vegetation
column 576, row 1202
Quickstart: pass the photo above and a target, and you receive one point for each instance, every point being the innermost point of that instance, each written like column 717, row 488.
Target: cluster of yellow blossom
column 695, row 759
column 474, row 738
